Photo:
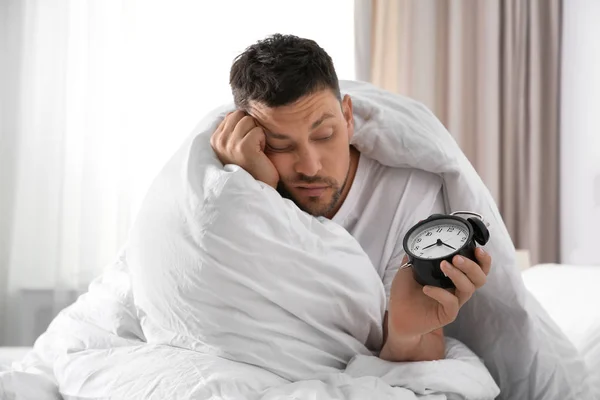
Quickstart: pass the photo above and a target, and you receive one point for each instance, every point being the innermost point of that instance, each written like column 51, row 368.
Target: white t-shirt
column 382, row 205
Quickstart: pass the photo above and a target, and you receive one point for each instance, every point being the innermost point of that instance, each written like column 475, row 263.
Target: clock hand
column 431, row 245
column 447, row 245
column 437, row 243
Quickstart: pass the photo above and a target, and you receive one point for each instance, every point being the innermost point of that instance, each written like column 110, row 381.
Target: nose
column 308, row 162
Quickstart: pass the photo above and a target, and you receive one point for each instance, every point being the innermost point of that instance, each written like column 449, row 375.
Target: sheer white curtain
column 95, row 96
column 580, row 133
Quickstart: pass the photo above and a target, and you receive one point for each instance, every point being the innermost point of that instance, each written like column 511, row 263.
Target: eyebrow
column 273, row 135
column 318, row 122
column 314, row 126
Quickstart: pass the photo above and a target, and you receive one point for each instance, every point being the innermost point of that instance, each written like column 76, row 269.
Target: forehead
column 303, row 112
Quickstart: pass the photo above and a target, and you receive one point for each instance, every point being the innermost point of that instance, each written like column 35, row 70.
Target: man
column 292, row 131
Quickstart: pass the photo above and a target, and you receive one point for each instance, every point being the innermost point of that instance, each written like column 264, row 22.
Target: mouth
column 312, row 191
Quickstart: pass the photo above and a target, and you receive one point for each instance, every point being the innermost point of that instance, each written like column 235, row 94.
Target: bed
column 10, row 354
column 570, row 295
column 568, row 292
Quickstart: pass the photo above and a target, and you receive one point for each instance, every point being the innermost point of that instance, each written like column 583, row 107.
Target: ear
column 348, row 114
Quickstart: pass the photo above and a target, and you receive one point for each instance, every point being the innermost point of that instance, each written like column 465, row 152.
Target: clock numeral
column 458, row 232
column 421, row 253
column 439, row 230
column 416, row 247
column 450, row 229
column 428, row 234
column 463, row 238
column 419, row 240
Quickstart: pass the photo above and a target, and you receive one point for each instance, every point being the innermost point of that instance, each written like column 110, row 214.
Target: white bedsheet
column 590, row 349
column 10, row 354
column 225, row 288
column 166, row 372
column 570, row 295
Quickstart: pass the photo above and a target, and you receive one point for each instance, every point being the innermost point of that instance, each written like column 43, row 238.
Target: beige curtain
column 490, row 71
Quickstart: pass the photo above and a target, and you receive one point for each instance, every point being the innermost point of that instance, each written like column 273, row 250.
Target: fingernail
column 459, row 260
column 481, row 251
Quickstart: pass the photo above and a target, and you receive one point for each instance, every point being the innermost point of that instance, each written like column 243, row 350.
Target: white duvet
column 225, row 290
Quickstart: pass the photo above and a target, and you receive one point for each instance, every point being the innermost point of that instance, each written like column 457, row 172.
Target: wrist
column 400, row 348
column 427, row 347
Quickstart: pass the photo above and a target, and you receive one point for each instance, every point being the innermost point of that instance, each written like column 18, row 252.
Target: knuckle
column 466, row 287
column 222, row 144
column 216, row 143
column 451, row 313
column 238, row 148
column 256, row 132
column 484, row 256
column 247, row 122
column 483, row 280
column 469, row 286
column 250, row 134
column 452, row 316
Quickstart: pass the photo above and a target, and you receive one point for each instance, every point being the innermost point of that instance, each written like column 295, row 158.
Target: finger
column 254, row 136
column 232, row 121
column 220, row 138
column 217, row 133
column 471, row 269
column 222, row 124
column 449, row 303
column 484, row 260
column 464, row 287
column 243, row 127
column 216, row 137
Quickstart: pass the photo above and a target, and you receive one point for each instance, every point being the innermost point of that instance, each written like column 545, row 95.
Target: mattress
column 570, row 294
column 10, row 354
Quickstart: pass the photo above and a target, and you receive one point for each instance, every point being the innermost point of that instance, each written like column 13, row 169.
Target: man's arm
column 428, row 347
column 417, row 314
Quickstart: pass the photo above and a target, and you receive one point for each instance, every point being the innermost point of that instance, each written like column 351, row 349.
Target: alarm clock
column 441, row 237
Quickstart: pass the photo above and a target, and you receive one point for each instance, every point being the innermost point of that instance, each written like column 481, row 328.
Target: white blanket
column 226, row 290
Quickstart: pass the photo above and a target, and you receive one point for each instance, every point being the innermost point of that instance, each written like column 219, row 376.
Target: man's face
column 309, row 144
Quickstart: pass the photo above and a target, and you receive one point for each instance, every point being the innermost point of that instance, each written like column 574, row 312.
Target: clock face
column 438, row 238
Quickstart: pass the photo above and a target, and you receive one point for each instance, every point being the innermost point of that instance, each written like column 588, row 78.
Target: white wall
column 184, row 50
column 580, row 133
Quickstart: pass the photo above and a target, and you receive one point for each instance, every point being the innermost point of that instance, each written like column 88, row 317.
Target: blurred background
column 96, row 95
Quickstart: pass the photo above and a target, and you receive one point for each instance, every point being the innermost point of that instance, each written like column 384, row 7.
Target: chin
column 315, row 212
column 315, row 208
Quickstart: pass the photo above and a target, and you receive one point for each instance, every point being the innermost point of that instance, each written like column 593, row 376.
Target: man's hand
column 239, row 140
column 415, row 311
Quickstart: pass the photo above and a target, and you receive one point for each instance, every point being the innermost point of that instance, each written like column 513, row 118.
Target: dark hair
column 281, row 69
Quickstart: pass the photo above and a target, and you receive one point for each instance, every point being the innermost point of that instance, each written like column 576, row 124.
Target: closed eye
column 278, row 149
column 323, row 138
